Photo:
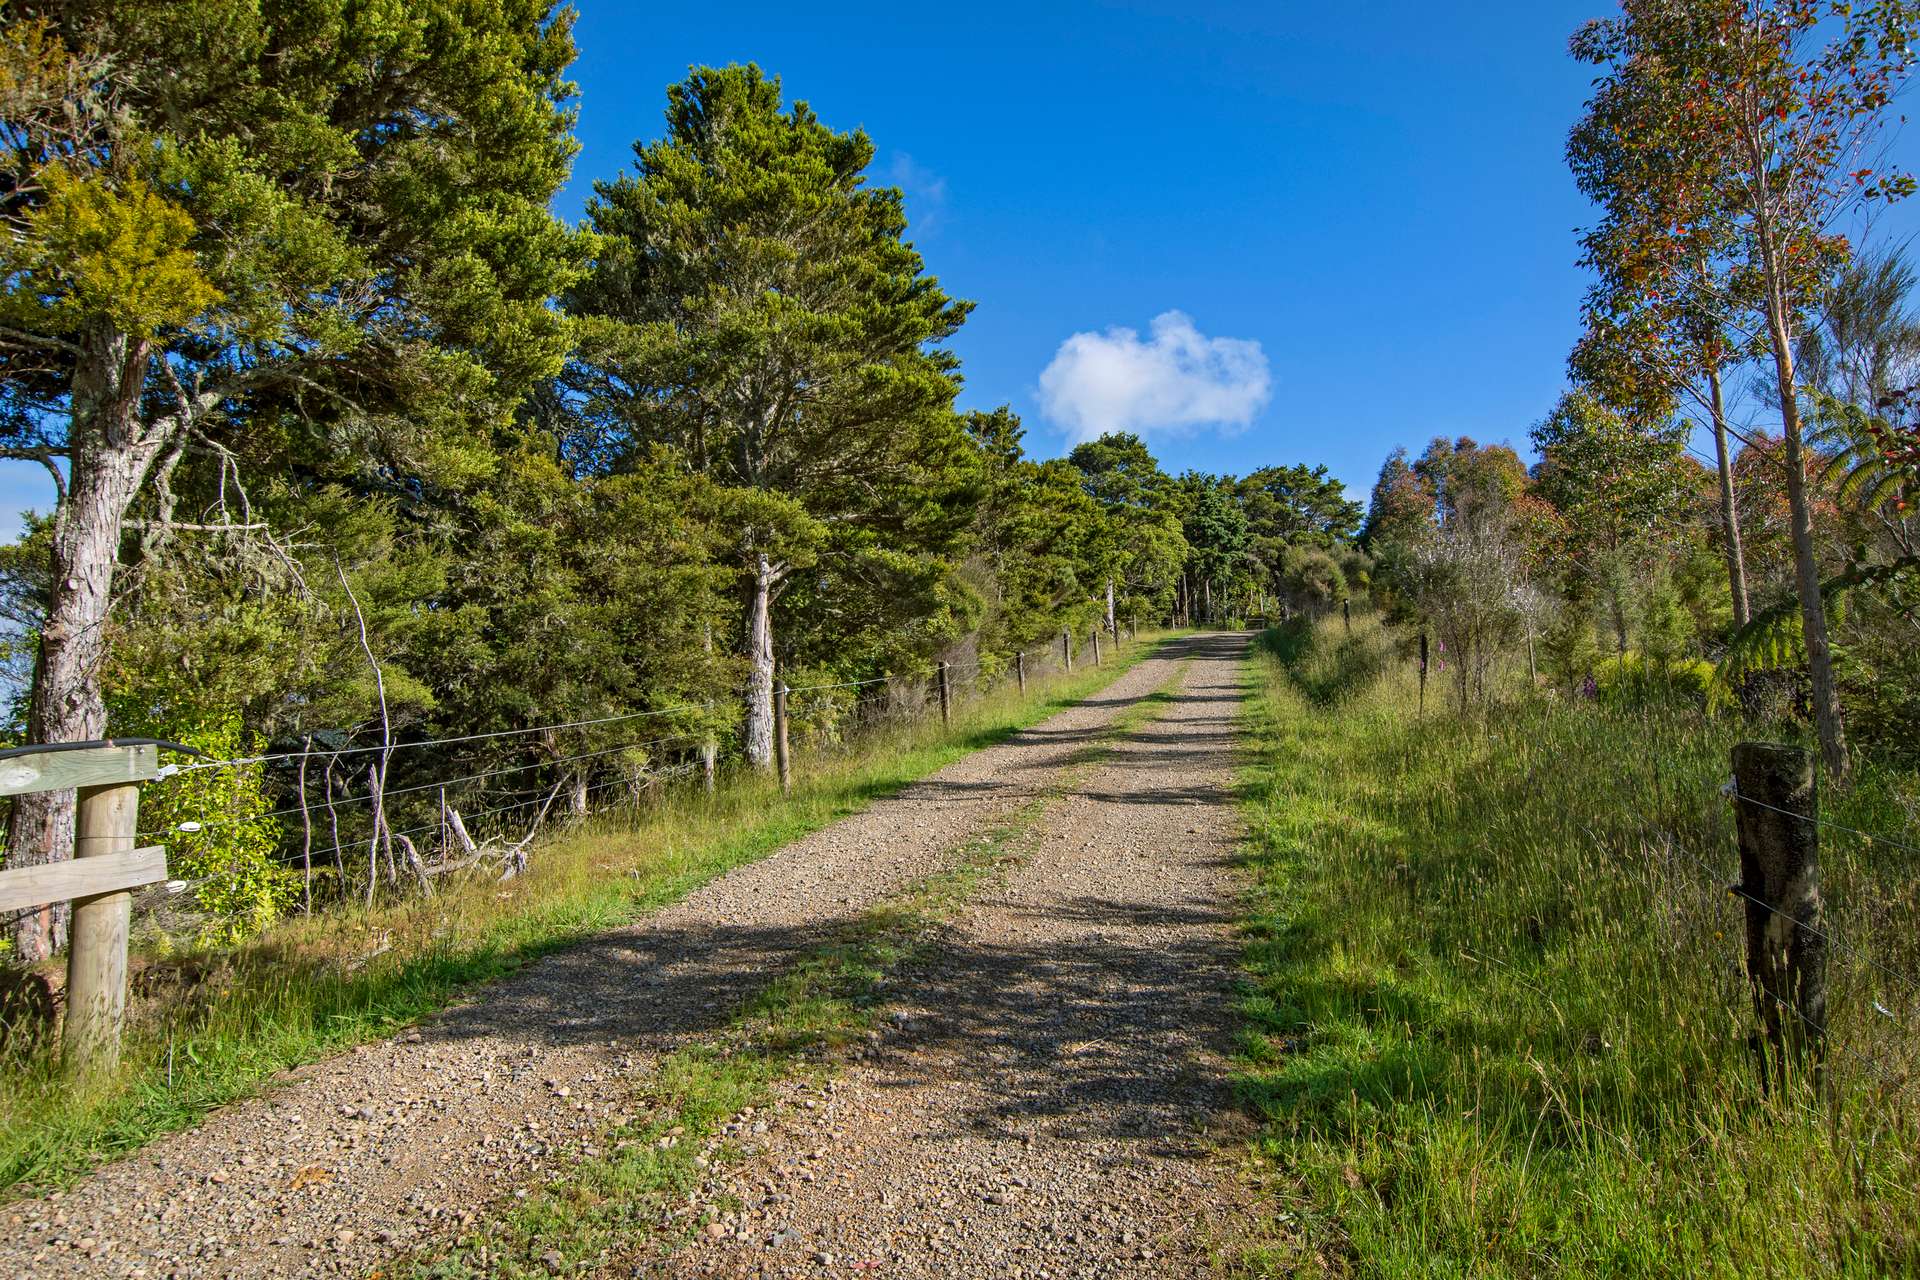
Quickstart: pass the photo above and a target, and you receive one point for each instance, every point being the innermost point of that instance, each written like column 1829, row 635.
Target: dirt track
column 1048, row 1111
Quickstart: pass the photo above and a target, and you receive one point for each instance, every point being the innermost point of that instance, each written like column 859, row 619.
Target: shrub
column 1634, row 679
column 218, row 836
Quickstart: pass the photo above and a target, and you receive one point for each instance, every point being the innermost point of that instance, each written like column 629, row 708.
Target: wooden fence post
column 1780, row 886
column 782, row 758
column 1066, row 648
column 1423, row 673
column 946, row 700
column 1096, row 646
column 105, row 821
column 1020, row 669
column 106, row 865
column 1346, row 614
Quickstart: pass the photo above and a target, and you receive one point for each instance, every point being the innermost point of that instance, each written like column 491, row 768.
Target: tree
column 1299, row 505
column 1214, row 525
column 1620, row 490
column 240, row 217
column 1145, row 550
column 1401, row 506
column 1759, row 122
column 756, row 308
column 1867, row 344
column 1654, row 335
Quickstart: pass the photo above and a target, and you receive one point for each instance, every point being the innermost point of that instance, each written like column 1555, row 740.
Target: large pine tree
column 757, row 308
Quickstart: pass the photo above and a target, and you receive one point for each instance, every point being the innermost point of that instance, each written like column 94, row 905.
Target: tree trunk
column 759, row 735
column 1113, row 627
column 108, row 462
column 1729, row 513
column 1827, row 717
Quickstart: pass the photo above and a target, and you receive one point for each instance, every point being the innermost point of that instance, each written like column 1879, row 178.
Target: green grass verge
column 1496, row 1022
column 632, row 1203
column 210, row 1028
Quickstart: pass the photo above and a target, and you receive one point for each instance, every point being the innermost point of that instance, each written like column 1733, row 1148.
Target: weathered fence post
column 781, row 757
column 1423, row 673
column 1780, row 887
column 1020, row 669
column 105, row 866
column 1096, row 646
column 1346, row 614
column 946, row 700
column 1066, row 647
column 104, row 823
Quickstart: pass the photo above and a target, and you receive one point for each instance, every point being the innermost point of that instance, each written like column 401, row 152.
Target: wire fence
column 344, row 795
column 1715, row 885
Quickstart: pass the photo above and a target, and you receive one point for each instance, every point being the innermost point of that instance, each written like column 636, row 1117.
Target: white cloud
column 1176, row 380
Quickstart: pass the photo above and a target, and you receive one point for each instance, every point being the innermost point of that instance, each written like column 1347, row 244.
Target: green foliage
column 1614, row 483
column 92, row 252
column 1329, row 669
column 1311, row 578
column 218, row 836
column 1566, row 646
column 1633, row 679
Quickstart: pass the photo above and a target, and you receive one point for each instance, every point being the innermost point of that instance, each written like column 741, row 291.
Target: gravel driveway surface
column 365, row 1155
column 1050, row 1104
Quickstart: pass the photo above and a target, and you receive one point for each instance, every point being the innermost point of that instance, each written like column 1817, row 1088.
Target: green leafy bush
column 219, row 836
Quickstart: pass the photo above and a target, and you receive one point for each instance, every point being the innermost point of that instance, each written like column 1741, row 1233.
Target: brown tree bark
column 759, row 734
column 109, row 455
column 1828, row 719
column 1729, row 512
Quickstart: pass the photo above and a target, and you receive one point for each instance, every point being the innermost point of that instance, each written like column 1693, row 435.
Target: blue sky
column 1373, row 193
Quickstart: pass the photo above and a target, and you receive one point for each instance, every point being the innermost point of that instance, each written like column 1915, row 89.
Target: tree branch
column 44, row 455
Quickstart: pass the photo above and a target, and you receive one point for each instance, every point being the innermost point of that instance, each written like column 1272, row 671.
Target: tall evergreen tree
column 757, row 307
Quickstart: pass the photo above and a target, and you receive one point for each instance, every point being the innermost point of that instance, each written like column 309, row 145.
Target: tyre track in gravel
column 1051, row 1101
column 375, row 1151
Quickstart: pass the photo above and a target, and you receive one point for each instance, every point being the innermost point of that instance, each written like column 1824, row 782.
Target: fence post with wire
column 446, row 786
column 1779, row 837
column 104, row 868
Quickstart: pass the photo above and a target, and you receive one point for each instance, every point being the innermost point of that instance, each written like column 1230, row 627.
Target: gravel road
column 360, row 1157
column 1050, row 1103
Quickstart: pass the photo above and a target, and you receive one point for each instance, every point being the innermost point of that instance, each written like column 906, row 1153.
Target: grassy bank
column 216, row 1026
column 1498, row 1020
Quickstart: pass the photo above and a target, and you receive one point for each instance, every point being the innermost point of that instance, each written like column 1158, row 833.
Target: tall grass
column 1498, row 1024
column 215, row 1025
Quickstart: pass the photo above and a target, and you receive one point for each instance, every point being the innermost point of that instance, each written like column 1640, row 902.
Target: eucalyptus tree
column 1757, row 119
column 757, row 308
column 237, row 217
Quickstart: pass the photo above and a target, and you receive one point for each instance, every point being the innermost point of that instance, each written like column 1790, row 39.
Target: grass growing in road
column 213, row 1027
column 1497, row 1022
column 634, row 1202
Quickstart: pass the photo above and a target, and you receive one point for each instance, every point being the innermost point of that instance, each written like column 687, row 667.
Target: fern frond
column 1773, row 638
